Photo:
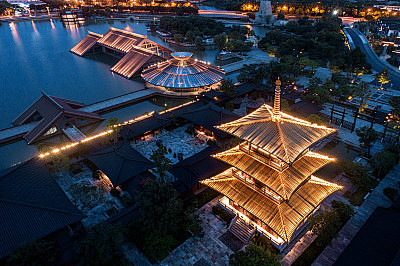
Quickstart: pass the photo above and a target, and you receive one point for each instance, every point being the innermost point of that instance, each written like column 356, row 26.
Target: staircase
column 241, row 229
column 74, row 134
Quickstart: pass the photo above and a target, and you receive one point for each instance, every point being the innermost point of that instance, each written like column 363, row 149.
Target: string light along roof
column 279, row 134
column 284, row 183
column 182, row 72
column 283, row 218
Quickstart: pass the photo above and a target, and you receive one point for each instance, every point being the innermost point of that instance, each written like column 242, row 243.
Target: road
column 360, row 41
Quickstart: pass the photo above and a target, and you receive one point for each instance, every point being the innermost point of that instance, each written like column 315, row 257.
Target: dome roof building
column 182, row 74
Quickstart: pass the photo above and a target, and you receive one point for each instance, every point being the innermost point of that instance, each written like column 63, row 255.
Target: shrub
column 39, row 252
column 190, row 130
column 115, row 193
column 391, row 193
column 382, row 163
column 222, row 213
column 75, row 168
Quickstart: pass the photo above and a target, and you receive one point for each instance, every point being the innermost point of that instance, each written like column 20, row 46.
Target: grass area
column 357, row 198
column 223, row 214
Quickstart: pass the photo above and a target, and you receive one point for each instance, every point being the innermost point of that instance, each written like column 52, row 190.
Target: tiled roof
column 285, row 138
column 86, row 44
column 283, row 218
column 32, row 205
column 285, row 182
column 121, row 40
column 120, row 162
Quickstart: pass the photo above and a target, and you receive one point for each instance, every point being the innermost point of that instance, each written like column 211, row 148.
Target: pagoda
column 271, row 185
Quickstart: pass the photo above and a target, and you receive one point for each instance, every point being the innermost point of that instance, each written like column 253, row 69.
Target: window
column 52, row 130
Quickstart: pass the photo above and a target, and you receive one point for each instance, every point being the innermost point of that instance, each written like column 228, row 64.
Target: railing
column 233, row 221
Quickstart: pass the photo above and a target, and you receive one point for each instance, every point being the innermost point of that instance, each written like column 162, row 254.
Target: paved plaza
column 207, row 250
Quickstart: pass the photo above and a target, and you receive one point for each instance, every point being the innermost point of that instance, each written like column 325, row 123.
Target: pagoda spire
column 277, row 101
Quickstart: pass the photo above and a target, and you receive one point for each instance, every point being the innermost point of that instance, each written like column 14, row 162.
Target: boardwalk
column 377, row 198
column 14, row 132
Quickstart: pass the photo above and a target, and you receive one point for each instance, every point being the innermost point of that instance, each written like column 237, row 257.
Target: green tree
column 307, row 62
column 315, row 119
column 228, row 88
column 363, row 92
column 178, row 38
column 367, row 137
column 161, row 162
column 199, row 43
column 220, row 41
column 319, row 93
column 285, row 106
column 160, row 208
column 358, row 173
column 114, row 128
column 101, row 246
column 254, row 255
column 383, row 77
column 190, row 36
column 382, row 163
column 394, row 102
column 40, row 252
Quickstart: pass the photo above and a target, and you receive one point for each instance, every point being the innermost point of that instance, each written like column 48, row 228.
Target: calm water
column 34, row 56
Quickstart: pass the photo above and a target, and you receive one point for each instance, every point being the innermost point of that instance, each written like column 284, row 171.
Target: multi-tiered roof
column 271, row 174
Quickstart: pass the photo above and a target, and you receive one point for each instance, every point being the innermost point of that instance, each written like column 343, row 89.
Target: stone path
column 208, row 250
column 350, row 229
column 298, row 248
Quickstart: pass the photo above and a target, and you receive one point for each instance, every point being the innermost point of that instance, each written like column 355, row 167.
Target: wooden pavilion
column 270, row 185
column 134, row 50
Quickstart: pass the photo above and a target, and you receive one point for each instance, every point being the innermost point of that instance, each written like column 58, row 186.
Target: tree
column 220, row 41
column 199, row 43
column 363, row 92
column 315, row 119
column 254, row 255
column 40, row 252
column 394, row 102
column 367, row 137
column 307, row 62
column 382, row 163
column 281, row 16
column 319, row 93
column 113, row 126
column 160, row 208
column 161, row 162
column 190, row 37
column 178, row 38
column 358, row 173
column 391, row 193
column 228, row 88
column 100, row 246
column 268, row 19
column 383, row 77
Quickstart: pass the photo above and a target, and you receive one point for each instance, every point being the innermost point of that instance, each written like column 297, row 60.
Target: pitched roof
column 139, row 128
column 50, row 109
column 283, row 182
column 120, row 162
column 283, row 218
column 209, row 116
column 198, row 167
column 121, row 40
column 133, row 61
column 32, row 205
column 86, row 44
column 285, row 138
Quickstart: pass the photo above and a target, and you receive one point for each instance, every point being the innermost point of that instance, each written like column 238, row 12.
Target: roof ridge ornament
column 277, row 101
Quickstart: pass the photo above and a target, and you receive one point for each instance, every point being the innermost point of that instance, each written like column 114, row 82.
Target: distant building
column 264, row 11
column 135, row 50
column 182, row 74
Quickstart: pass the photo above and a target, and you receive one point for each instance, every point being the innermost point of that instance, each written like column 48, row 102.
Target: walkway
column 13, row 132
column 350, row 229
column 117, row 101
column 208, row 250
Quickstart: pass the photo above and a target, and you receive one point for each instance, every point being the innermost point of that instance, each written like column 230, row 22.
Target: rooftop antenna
column 277, row 101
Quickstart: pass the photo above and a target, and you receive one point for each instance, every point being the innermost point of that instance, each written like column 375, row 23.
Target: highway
column 360, row 41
